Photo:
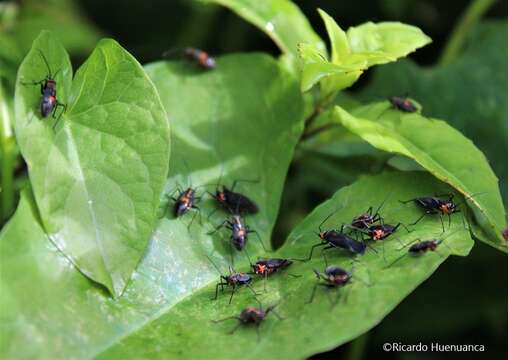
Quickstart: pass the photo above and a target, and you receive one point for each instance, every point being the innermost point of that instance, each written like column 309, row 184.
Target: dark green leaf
column 450, row 157
column 98, row 175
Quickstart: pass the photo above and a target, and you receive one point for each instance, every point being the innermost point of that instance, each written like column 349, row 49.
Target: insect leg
column 259, row 237
column 420, row 218
column 232, row 293
column 218, row 227
column 311, row 299
column 311, row 251
column 61, row 113
column 235, row 328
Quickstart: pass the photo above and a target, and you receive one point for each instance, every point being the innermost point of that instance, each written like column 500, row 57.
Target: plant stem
column 473, row 13
column 8, row 157
column 316, row 131
column 357, row 347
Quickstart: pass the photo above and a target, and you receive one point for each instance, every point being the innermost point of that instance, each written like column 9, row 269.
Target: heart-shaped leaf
column 98, row 175
column 163, row 315
column 281, row 20
column 450, row 157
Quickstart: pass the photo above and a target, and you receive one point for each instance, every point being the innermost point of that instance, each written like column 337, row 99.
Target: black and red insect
column 403, row 104
column 234, row 201
column 420, row 248
column 49, row 102
column 239, row 233
column 423, row 246
column 233, row 280
column 435, row 205
column 337, row 239
column 266, row 267
column 332, row 278
column 251, row 316
column 185, row 201
column 365, row 220
column 200, row 57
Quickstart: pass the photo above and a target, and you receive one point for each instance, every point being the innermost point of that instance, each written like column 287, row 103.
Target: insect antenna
column 47, row 64
column 215, row 265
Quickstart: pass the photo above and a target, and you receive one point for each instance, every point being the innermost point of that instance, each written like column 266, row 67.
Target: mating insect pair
column 49, row 102
column 364, row 224
column 262, row 267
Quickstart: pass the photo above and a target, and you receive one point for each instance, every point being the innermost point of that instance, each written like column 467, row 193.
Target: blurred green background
column 465, row 302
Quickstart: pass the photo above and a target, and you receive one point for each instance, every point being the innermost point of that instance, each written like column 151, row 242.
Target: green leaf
column 450, row 157
column 479, row 75
column 281, row 20
column 165, row 312
column 362, row 47
column 205, row 109
column 98, row 175
column 386, row 41
column 338, row 39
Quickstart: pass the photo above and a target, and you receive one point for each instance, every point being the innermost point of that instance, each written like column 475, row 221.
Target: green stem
column 357, row 347
column 474, row 12
column 8, row 158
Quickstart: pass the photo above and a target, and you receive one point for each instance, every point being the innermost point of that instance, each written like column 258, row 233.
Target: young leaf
column 97, row 176
column 386, row 41
column 172, row 318
column 440, row 149
column 362, row 47
column 281, row 20
column 206, row 108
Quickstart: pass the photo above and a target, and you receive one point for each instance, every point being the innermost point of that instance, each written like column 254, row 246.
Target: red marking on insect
column 378, row 234
column 505, row 234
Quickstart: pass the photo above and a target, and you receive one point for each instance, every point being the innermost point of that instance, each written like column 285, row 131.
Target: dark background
column 466, row 302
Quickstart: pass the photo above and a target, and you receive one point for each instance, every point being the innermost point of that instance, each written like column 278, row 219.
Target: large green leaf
column 98, row 175
column 469, row 93
column 441, row 150
column 356, row 50
column 210, row 117
column 281, row 20
column 165, row 314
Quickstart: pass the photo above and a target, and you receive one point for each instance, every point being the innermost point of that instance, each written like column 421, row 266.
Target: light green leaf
column 338, row 39
column 166, row 312
column 338, row 76
column 450, row 157
column 391, row 40
column 364, row 46
column 98, row 175
column 205, row 108
column 281, row 20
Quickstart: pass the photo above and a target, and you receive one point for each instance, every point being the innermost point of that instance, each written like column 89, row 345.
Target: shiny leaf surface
column 98, row 174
